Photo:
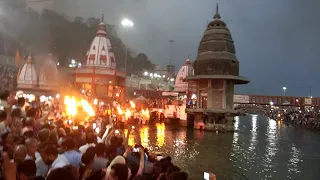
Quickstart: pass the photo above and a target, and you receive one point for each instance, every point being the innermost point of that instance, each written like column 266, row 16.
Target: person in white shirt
column 91, row 142
column 52, row 159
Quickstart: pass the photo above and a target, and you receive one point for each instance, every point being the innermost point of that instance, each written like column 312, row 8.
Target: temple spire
column 217, row 15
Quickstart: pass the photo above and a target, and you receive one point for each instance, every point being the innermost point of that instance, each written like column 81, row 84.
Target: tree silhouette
column 51, row 32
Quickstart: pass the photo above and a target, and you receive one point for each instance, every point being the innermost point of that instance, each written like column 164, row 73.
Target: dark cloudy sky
column 277, row 41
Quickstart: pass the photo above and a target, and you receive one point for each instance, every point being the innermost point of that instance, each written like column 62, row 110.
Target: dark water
column 259, row 149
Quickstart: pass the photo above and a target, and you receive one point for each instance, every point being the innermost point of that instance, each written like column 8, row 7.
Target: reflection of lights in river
column 236, row 127
column 236, row 123
column 144, row 135
column 160, row 134
column 279, row 125
column 253, row 140
column 272, row 148
column 296, row 157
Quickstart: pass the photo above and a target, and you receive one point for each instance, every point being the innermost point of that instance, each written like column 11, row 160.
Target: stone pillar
column 229, row 122
column 209, row 95
column 224, row 98
column 198, row 95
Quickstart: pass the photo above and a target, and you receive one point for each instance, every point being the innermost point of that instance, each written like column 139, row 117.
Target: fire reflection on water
column 144, row 135
column 160, row 134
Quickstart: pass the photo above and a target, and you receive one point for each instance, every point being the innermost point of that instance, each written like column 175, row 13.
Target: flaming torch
column 71, row 105
column 87, row 107
column 147, row 114
column 128, row 114
column 132, row 104
column 120, row 112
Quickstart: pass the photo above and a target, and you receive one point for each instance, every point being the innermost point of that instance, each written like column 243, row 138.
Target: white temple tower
column 186, row 70
column 27, row 77
column 99, row 77
column 100, row 53
column 48, row 78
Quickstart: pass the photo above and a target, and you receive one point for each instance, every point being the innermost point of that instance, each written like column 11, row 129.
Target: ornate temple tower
column 216, row 71
column 48, row 77
column 186, row 70
column 100, row 52
column 99, row 78
column 27, row 78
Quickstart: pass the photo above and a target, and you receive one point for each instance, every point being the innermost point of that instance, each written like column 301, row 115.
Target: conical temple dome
column 27, row 77
column 48, row 77
column 100, row 53
column 216, row 53
column 185, row 70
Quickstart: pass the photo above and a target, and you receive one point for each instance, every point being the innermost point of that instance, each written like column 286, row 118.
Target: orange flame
column 71, row 104
column 132, row 104
column 87, row 107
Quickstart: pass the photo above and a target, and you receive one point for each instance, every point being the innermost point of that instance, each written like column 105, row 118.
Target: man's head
column 31, row 144
column 43, row 135
column 20, row 153
column 21, row 101
column 61, row 173
column 16, row 113
column 101, row 149
column 50, row 153
column 29, row 121
column 68, row 144
column 119, row 172
column 91, row 138
column 26, row 170
column 4, row 95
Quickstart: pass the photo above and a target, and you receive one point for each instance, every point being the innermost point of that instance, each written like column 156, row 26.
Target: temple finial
column 217, row 15
column 188, row 56
column 102, row 17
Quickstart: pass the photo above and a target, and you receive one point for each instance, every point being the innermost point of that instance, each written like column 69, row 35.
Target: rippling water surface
column 260, row 148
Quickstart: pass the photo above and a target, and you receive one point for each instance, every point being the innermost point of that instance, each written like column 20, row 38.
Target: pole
column 284, row 92
column 170, row 63
column 126, row 54
column 126, row 59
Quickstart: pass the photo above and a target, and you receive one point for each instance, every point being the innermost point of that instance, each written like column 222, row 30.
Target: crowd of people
column 33, row 147
column 309, row 118
column 8, row 76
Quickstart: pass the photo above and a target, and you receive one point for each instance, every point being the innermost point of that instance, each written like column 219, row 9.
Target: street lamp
column 126, row 23
column 146, row 73
column 284, row 91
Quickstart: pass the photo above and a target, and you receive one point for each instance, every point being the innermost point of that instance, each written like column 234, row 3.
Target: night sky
column 277, row 41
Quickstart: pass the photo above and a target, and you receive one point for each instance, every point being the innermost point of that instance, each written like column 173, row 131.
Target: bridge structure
column 277, row 100
column 251, row 99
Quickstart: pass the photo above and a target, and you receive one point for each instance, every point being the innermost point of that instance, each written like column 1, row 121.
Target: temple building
column 33, row 83
column 27, row 77
column 216, row 71
column 48, row 77
column 186, row 70
column 99, row 77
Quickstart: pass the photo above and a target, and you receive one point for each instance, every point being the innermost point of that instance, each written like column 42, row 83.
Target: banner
column 241, row 99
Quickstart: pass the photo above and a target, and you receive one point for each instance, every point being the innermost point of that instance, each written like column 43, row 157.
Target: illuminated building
column 99, row 76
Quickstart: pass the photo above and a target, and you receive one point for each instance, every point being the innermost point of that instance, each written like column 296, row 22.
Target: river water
column 260, row 148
